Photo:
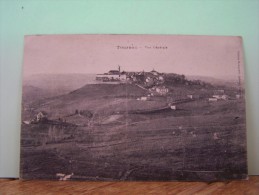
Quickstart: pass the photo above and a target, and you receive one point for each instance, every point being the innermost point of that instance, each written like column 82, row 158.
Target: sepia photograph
column 133, row 108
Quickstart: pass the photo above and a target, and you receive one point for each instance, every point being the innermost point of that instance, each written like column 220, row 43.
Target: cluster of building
column 112, row 75
column 152, row 80
column 156, row 83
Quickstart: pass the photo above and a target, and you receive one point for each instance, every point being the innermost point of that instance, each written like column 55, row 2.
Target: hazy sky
column 214, row 56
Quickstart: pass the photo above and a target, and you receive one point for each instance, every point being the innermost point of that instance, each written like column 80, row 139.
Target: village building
column 112, row 75
column 139, row 77
column 220, row 97
column 216, row 96
column 219, row 91
column 114, row 72
column 144, row 98
column 161, row 78
column 224, row 97
column 190, row 96
column 173, row 107
column 213, row 99
column 161, row 90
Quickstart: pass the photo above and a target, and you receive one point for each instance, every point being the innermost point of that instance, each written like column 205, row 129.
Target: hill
column 31, row 93
column 58, row 84
column 109, row 90
column 100, row 99
column 214, row 81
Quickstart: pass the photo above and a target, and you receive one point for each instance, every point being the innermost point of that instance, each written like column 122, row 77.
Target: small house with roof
column 41, row 116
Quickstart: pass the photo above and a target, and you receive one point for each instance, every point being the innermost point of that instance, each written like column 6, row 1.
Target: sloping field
column 100, row 99
column 108, row 90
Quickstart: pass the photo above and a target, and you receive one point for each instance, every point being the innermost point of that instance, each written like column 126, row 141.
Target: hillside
column 31, row 93
column 108, row 90
column 58, row 84
column 96, row 98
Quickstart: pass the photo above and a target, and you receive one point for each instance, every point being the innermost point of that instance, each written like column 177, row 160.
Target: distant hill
column 31, row 93
column 214, row 81
column 58, row 84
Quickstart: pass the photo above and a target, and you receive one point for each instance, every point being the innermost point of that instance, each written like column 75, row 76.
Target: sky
column 213, row 56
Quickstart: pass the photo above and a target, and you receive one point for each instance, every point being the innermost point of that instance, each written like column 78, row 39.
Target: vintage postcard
column 133, row 107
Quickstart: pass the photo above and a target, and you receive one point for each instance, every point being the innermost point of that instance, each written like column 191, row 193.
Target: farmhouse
column 190, row 96
column 224, row 97
column 220, row 97
column 173, row 107
column 41, row 116
column 144, row 98
column 149, row 81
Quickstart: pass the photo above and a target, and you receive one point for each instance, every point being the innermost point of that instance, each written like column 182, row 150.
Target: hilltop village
column 176, row 86
column 153, row 81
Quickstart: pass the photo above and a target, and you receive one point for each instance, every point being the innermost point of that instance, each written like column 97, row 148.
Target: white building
column 213, row 99
column 112, row 75
column 162, row 90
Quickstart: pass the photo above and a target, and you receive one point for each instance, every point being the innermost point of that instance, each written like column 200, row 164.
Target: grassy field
column 199, row 141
